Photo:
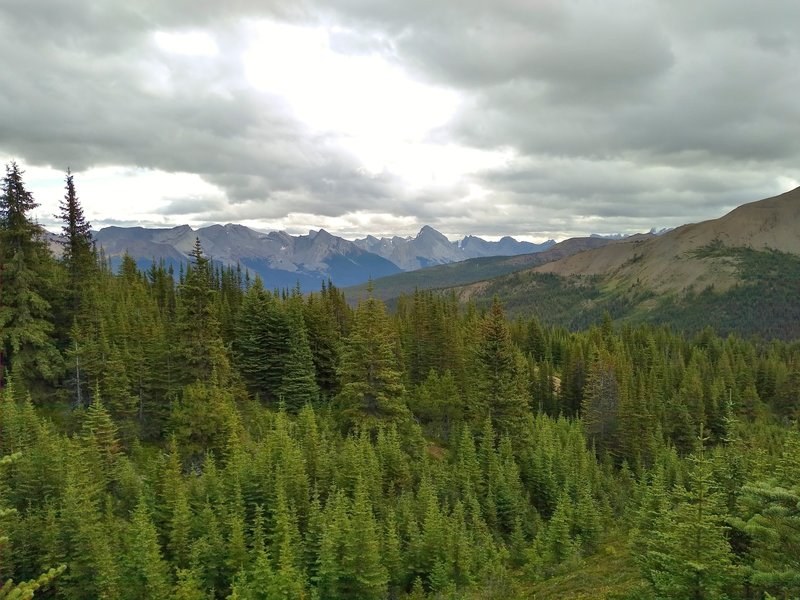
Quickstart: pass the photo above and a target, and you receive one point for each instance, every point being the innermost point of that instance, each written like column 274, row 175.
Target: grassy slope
column 607, row 575
column 766, row 301
column 469, row 271
column 440, row 276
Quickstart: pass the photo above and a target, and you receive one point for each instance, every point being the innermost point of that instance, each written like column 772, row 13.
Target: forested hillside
column 737, row 274
column 468, row 271
column 199, row 435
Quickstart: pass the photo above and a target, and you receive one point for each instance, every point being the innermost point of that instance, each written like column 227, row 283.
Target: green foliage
column 27, row 273
column 24, row 590
column 144, row 573
column 771, row 520
column 501, row 374
column 298, row 385
column 78, row 255
column 445, row 276
column 372, row 387
column 262, row 341
column 691, row 557
column 764, row 301
column 201, row 418
column 200, row 346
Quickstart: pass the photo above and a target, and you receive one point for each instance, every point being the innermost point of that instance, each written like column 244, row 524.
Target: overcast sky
column 534, row 118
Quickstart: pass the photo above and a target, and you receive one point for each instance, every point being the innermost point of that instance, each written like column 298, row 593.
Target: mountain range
column 284, row 260
column 429, row 247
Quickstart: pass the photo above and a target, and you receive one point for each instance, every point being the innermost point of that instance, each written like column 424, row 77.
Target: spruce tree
column 26, row 271
column 288, row 580
column 324, row 340
column 145, row 573
column 366, row 577
column 501, row 374
column 372, row 386
column 90, row 548
column 200, row 346
column 262, row 343
column 601, row 399
column 774, row 529
column 100, row 430
column 299, row 385
column 8, row 589
column 771, row 521
column 78, row 255
column 692, row 558
column 332, row 573
column 188, row 586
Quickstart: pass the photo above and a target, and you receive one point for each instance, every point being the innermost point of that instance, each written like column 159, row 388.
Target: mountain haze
column 429, row 247
column 284, row 260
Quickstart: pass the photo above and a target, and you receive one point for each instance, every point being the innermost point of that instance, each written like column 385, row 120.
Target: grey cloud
column 633, row 114
column 633, row 198
column 709, row 88
column 131, row 223
column 191, row 206
column 112, row 98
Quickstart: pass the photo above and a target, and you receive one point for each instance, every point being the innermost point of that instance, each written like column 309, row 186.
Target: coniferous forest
column 197, row 435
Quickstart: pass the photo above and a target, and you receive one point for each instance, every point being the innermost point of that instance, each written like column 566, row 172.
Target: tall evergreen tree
column 200, row 342
column 372, row 387
column 771, row 520
column 145, row 574
column 78, row 254
column 601, row 399
column 501, row 374
column 8, row 589
column 325, row 342
column 299, row 384
column 692, row 559
column 262, row 342
column 362, row 560
column 26, row 269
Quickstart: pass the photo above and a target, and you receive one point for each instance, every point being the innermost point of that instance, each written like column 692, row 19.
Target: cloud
column 511, row 117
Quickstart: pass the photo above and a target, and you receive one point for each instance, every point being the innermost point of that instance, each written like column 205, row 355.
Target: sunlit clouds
column 537, row 120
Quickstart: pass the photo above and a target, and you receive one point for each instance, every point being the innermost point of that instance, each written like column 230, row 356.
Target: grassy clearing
column 607, row 575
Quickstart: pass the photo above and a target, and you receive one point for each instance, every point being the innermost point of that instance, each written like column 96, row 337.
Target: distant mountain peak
column 281, row 257
column 429, row 233
column 431, row 247
column 610, row 236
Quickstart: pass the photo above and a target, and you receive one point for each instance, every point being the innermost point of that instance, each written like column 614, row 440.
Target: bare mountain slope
column 669, row 262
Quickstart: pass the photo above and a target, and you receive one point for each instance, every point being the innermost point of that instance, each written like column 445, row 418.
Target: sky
column 532, row 118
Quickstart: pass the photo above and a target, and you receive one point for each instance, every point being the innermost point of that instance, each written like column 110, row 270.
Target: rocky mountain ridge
column 284, row 260
column 429, row 247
